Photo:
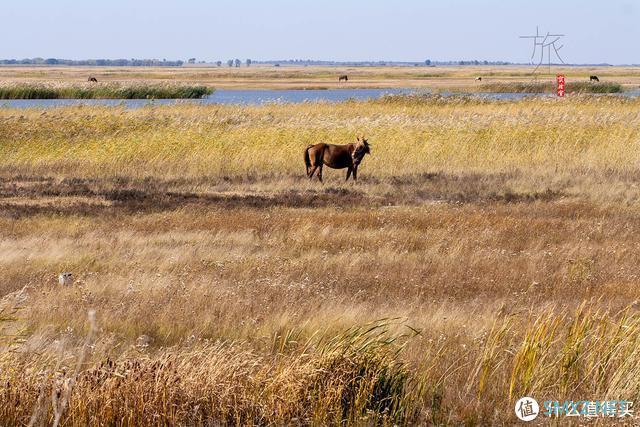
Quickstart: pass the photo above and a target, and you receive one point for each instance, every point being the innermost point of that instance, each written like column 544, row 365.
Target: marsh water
column 259, row 97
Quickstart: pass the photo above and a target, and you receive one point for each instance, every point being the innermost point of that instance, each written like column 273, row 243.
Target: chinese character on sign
column 560, row 80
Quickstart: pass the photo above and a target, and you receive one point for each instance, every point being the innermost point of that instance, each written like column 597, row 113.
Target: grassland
column 289, row 77
column 488, row 251
column 102, row 91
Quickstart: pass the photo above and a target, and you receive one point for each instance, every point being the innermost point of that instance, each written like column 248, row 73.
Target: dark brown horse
column 344, row 77
column 92, row 79
column 336, row 156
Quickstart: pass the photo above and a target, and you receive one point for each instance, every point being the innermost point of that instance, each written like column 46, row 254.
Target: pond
column 257, row 97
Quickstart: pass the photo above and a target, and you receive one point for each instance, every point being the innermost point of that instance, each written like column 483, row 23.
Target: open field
column 489, row 251
column 289, row 77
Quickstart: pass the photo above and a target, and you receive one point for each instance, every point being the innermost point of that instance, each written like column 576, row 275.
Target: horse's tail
column 307, row 159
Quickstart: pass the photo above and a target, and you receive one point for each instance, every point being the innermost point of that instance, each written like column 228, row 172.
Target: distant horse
column 344, row 77
column 594, row 79
column 92, row 79
column 478, row 79
column 336, row 156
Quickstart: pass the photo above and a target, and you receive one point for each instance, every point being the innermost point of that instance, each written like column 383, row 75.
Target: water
column 296, row 96
column 258, row 97
column 220, row 96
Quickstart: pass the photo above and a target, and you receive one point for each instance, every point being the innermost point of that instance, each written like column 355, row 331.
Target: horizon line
column 460, row 62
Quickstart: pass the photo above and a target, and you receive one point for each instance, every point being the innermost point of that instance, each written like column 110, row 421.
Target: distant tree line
column 468, row 62
column 96, row 62
column 235, row 62
column 428, row 62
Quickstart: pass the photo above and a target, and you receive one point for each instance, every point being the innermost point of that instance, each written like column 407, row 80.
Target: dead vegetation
column 498, row 258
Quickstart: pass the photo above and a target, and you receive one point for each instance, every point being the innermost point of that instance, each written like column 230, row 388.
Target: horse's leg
column 313, row 170
column 316, row 162
column 321, row 163
column 355, row 173
column 310, row 169
column 348, row 174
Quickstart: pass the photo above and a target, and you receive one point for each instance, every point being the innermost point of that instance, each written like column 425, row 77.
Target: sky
column 596, row 31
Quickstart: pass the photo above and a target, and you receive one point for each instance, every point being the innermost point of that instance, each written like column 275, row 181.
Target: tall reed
column 103, row 91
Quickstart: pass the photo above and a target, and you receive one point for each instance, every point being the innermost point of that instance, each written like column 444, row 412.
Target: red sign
column 560, row 80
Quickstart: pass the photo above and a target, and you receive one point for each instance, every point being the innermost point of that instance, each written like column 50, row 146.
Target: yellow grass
column 410, row 135
column 299, row 77
column 489, row 251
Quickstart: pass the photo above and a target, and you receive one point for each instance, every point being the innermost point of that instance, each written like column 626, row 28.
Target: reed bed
column 534, row 87
column 488, row 251
column 102, row 91
column 410, row 135
column 366, row 374
column 349, row 378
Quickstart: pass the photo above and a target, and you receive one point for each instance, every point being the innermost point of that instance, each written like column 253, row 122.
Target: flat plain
column 489, row 250
column 451, row 78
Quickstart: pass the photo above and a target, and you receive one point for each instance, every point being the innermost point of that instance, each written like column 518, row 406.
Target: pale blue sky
column 597, row 30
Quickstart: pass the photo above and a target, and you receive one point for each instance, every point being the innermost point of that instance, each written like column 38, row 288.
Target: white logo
column 527, row 409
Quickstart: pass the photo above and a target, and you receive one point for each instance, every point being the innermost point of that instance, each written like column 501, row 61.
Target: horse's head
column 362, row 147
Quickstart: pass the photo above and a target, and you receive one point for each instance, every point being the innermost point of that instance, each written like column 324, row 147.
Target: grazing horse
column 336, row 157
column 594, row 79
column 92, row 79
column 478, row 79
column 344, row 77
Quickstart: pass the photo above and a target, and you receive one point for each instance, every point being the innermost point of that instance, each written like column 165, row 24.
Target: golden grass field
column 488, row 251
column 441, row 78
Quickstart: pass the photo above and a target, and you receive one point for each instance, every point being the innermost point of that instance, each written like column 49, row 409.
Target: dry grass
column 411, row 136
column 229, row 288
column 298, row 77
